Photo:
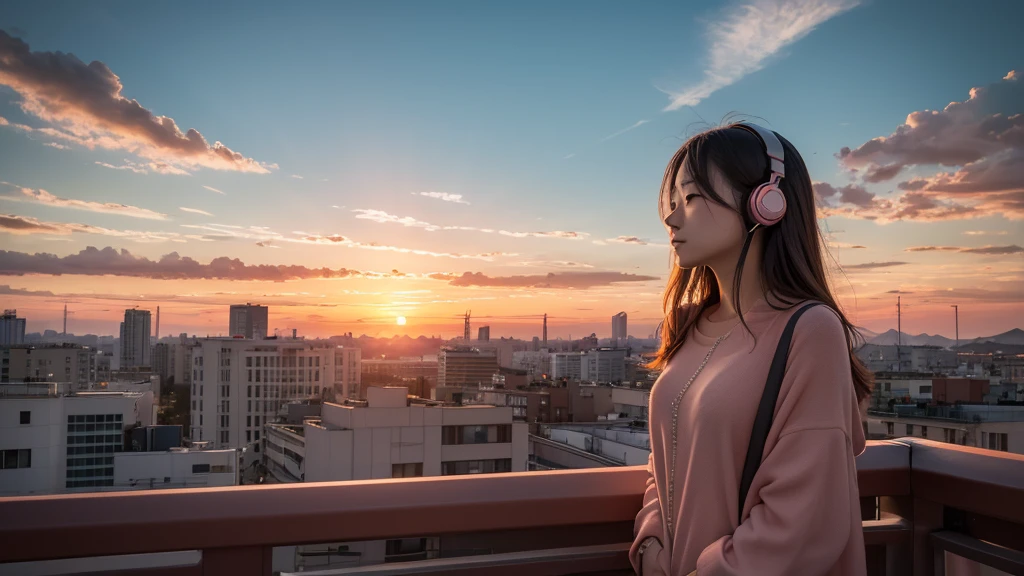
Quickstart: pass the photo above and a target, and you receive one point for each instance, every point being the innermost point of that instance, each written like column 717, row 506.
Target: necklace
column 675, row 430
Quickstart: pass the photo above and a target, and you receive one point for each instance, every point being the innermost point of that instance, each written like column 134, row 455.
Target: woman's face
column 703, row 233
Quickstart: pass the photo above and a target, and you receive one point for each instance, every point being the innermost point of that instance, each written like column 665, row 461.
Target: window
column 924, row 431
column 926, row 390
column 950, row 435
column 248, row 435
column 889, row 429
column 257, row 421
column 16, row 459
column 200, row 468
column 257, row 435
column 910, row 429
column 997, row 441
column 476, row 434
column 248, row 421
column 249, row 392
column 413, row 470
column 476, row 467
column 26, row 417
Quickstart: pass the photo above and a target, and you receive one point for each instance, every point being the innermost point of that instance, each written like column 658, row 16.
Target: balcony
column 922, row 503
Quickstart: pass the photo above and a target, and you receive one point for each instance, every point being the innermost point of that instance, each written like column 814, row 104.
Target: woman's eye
column 689, row 196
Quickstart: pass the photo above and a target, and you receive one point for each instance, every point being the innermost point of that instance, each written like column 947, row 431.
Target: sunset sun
column 400, row 320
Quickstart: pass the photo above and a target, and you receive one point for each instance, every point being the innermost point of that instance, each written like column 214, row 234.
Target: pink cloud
column 563, row 280
column 85, row 104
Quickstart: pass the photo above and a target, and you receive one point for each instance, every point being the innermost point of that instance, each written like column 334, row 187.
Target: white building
column 176, row 468
column 248, row 321
column 135, row 339
column 604, row 365
column 54, row 440
column 12, row 328
column 238, row 385
column 388, row 436
column 566, row 365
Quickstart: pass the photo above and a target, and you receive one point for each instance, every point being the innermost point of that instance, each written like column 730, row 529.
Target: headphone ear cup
column 767, row 204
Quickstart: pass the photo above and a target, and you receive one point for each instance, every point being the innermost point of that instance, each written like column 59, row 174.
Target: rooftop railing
column 925, row 506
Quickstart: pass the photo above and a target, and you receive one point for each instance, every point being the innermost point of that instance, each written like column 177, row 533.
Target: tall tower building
column 619, row 326
column 135, row 335
column 248, row 321
column 12, row 329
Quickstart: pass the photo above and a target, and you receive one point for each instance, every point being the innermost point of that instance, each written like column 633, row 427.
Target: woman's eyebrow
column 681, row 185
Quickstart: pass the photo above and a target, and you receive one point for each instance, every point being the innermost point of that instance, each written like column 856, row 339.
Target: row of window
column 476, row 467
column 105, row 461
column 108, row 449
column 95, row 418
column 211, row 469
column 16, row 459
column 89, row 483
column 103, row 427
column 95, row 439
column 279, row 362
column 287, row 376
column 248, row 438
column 487, row 434
column 286, row 451
column 990, row 440
column 90, row 472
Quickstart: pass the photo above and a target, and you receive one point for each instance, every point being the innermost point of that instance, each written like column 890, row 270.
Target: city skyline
column 373, row 168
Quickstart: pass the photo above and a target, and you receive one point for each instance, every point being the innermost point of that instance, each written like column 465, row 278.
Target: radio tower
column 465, row 330
column 157, row 323
column 65, row 332
column 544, row 335
column 899, row 334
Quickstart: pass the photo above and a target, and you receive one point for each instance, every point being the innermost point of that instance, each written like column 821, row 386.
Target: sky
column 351, row 163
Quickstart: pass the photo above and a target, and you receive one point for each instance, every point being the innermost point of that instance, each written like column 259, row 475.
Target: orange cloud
column 85, row 102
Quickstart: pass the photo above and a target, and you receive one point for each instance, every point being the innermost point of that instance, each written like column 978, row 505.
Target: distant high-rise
column 135, row 336
column 619, row 326
column 483, row 334
column 248, row 321
column 12, row 329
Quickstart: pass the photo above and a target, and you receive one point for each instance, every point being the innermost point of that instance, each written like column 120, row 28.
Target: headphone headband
column 772, row 146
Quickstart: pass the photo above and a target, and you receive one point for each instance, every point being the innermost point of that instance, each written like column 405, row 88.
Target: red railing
column 919, row 498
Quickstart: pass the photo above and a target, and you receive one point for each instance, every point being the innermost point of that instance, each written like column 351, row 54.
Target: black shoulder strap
column 766, row 409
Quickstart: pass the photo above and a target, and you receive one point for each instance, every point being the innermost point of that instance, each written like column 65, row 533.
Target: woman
column 739, row 207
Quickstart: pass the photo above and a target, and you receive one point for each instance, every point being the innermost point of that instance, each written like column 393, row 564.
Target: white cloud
column 41, row 196
column 623, row 131
column 212, row 189
column 749, row 35
column 55, row 145
column 456, row 198
column 296, row 176
column 194, row 211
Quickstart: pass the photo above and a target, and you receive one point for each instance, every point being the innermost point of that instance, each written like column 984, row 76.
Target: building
column 566, row 365
column 418, row 373
column 464, row 366
column 239, row 385
column 483, row 334
column 390, row 436
column 592, row 445
column 65, row 363
column 135, row 339
column 164, row 361
column 924, row 359
column 248, row 321
column 995, row 427
column 537, row 364
column 64, row 441
column 12, row 329
column 619, row 326
column 604, row 365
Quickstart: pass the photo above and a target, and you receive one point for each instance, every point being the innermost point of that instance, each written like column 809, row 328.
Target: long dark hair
column 793, row 267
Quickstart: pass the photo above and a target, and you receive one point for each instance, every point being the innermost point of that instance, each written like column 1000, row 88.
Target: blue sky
column 509, row 106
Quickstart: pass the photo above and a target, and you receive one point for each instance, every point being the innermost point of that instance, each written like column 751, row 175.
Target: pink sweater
column 802, row 514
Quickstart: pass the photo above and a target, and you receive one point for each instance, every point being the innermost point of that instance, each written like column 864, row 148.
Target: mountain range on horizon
column 889, row 338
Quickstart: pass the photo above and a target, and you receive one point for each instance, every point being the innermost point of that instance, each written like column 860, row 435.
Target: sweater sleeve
column 649, row 522
column 801, row 522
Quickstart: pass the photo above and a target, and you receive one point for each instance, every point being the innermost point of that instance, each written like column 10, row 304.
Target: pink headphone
column 767, row 202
